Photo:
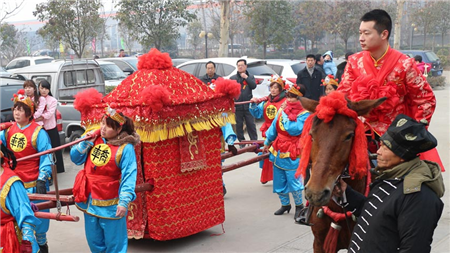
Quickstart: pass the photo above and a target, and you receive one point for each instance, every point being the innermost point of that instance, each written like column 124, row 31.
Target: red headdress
column 335, row 103
column 20, row 97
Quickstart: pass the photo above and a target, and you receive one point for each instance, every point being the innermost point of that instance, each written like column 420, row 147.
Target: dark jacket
column 246, row 89
column 320, row 67
column 402, row 210
column 340, row 70
column 314, row 90
column 205, row 79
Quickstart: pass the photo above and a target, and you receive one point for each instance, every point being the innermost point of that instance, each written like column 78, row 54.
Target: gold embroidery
column 109, row 202
column 4, row 192
column 376, row 61
column 130, row 210
column 119, row 153
column 29, row 184
column 35, row 136
column 192, row 142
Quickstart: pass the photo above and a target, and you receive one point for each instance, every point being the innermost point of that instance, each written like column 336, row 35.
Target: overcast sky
column 25, row 12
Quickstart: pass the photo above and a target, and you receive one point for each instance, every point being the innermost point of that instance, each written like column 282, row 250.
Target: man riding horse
column 381, row 71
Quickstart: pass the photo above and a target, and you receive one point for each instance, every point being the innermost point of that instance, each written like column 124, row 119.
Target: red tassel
column 306, row 144
column 330, row 244
column 359, row 157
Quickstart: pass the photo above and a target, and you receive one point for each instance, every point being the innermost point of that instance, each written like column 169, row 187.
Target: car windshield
column 112, row 72
column 41, row 61
column 431, row 56
column 297, row 67
column 133, row 62
column 260, row 69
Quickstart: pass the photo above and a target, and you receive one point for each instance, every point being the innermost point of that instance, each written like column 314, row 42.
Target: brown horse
column 332, row 139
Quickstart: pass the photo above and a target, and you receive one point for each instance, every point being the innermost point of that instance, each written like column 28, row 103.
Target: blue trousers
column 284, row 182
column 105, row 235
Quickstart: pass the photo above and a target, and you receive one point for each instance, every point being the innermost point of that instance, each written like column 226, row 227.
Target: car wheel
column 75, row 135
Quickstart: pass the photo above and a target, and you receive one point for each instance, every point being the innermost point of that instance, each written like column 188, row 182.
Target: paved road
column 250, row 225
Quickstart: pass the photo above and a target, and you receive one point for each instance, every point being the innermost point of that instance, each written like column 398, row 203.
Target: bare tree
column 443, row 18
column 312, row 17
column 397, row 23
column 194, row 29
column 345, row 20
column 224, row 27
column 9, row 8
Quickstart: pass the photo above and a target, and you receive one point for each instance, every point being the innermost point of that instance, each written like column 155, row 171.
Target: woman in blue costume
column 283, row 137
column 106, row 185
column 15, row 210
column 25, row 137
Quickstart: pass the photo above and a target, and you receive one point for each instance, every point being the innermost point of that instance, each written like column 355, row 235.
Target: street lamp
column 210, row 35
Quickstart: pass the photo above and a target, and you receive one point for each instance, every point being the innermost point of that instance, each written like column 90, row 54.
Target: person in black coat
column 404, row 204
column 311, row 77
column 210, row 73
column 248, row 84
column 319, row 62
column 341, row 67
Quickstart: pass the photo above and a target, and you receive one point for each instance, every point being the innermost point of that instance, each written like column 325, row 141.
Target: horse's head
column 333, row 133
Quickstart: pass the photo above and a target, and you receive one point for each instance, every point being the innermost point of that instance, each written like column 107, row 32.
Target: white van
column 66, row 78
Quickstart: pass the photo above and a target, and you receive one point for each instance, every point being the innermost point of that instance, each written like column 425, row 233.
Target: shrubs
column 443, row 56
column 436, row 81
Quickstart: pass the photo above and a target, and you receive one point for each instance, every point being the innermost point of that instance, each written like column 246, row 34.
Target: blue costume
column 229, row 137
column 109, row 182
column 15, row 207
column 283, row 135
column 27, row 169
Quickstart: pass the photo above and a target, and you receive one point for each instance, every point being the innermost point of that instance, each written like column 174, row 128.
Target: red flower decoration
column 367, row 88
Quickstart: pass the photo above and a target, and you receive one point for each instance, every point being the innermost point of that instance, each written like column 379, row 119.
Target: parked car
column 67, row 78
column 427, row 57
column 287, row 68
column 113, row 75
column 127, row 64
column 10, row 86
column 26, row 61
column 47, row 52
column 226, row 67
column 4, row 73
column 178, row 61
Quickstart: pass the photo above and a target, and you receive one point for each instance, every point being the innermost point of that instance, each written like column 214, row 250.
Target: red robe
column 396, row 77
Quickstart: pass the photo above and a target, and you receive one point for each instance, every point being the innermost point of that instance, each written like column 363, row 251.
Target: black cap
column 407, row 138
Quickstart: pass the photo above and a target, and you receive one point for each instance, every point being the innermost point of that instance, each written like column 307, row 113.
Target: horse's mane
column 335, row 103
